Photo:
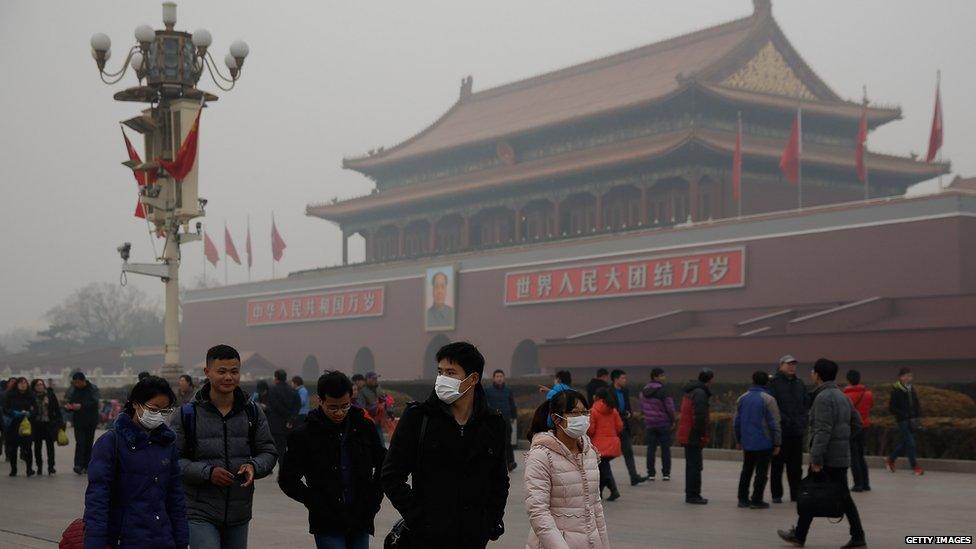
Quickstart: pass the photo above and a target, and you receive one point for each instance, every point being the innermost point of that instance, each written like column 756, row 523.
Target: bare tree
column 103, row 313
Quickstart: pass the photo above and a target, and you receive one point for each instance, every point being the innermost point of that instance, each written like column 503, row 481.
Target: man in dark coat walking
column 82, row 400
column 905, row 408
column 621, row 400
column 602, row 379
column 791, row 399
column 693, row 432
column 339, row 455
column 283, row 407
column 453, row 447
column 501, row 399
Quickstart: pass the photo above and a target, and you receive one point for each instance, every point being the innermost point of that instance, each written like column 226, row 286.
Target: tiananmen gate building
column 585, row 218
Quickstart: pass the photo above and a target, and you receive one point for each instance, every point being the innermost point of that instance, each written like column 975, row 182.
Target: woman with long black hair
column 45, row 424
column 135, row 492
column 18, row 405
column 562, row 478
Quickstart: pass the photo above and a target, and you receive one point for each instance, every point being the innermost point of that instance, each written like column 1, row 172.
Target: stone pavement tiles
column 650, row 515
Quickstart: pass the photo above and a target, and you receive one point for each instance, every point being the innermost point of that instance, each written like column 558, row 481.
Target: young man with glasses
column 224, row 445
column 338, row 453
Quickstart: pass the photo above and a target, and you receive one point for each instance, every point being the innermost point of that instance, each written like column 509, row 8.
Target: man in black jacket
column 82, row 400
column 621, row 399
column 791, row 398
column 453, row 446
column 338, row 453
column 602, row 379
column 906, row 410
column 500, row 398
column 283, row 406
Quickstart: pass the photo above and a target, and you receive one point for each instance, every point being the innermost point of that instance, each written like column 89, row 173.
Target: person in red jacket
column 604, row 432
column 693, row 432
column 863, row 401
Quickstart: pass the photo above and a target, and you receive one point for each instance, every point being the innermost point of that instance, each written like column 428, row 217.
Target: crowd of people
column 177, row 469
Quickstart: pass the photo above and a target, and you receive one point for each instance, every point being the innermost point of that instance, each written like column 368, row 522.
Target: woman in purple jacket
column 135, row 494
column 658, row 409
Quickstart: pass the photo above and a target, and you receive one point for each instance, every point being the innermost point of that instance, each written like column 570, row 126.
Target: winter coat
column 693, row 424
column 135, row 496
column 16, row 407
column 756, row 422
column 605, row 428
column 283, row 406
column 88, row 396
column 562, row 496
column 904, row 403
column 460, row 475
column 791, row 398
column 46, row 430
column 592, row 386
column 314, row 454
column 657, row 405
column 501, row 399
column 832, row 422
column 863, row 400
column 222, row 441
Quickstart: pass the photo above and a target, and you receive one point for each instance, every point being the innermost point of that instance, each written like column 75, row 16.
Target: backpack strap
column 188, row 418
column 251, row 409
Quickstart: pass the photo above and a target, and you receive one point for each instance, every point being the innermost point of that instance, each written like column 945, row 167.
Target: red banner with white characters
column 707, row 270
column 329, row 305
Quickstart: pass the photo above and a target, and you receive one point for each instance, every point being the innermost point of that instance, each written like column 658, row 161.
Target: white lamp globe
column 101, row 42
column 136, row 61
column 239, row 49
column 145, row 34
column 201, row 38
column 230, row 61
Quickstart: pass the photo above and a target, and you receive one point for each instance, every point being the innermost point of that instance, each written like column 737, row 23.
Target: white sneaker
column 666, row 478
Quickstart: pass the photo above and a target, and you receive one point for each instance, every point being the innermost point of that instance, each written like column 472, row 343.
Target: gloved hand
column 21, row 413
column 497, row 531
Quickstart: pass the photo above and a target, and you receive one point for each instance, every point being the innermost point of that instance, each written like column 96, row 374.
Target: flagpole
column 739, row 143
column 272, row 246
column 248, row 247
column 867, row 173
column 938, row 94
column 204, row 248
column 225, row 252
column 799, row 157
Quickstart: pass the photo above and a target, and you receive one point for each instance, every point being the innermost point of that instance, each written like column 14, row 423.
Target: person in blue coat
column 759, row 433
column 135, row 493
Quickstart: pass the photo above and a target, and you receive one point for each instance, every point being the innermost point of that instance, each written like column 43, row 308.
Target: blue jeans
column 204, row 535
column 659, row 436
column 907, row 443
column 352, row 541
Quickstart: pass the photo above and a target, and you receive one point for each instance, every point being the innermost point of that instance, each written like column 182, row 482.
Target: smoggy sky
column 327, row 79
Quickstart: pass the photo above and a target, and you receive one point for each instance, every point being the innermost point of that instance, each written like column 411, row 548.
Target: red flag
column 935, row 136
column 210, row 250
column 140, row 176
column 789, row 163
column 187, row 155
column 277, row 243
column 862, row 139
column 247, row 247
column 737, row 163
column 229, row 249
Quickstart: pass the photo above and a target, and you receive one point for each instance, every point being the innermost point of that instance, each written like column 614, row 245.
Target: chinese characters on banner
column 332, row 305
column 707, row 270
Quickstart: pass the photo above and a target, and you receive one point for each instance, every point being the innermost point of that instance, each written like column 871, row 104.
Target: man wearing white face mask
column 453, row 447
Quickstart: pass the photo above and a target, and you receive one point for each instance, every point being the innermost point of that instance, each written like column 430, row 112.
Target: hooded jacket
column 222, row 441
column 459, row 474
column 562, row 495
column 832, row 422
column 134, row 496
column 693, row 425
column 605, row 428
column 756, row 422
column 791, row 398
column 657, row 405
column 863, row 400
column 314, row 453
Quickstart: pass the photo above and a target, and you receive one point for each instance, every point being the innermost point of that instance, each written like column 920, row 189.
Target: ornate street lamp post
column 167, row 64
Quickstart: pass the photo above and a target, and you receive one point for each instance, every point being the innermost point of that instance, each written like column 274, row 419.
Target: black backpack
column 188, row 418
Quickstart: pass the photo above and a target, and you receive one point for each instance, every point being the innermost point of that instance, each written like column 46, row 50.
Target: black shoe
column 777, row 500
column 743, row 504
column 697, row 500
column 857, row 489
column 13, row 473
column 77, row 470
column 666, row 478
column 637, row 480
column 789, row 536
column 30, row 473
column 867, row 488
column 759, row 505
column 614, row 496
column 855, row 543
column 51, row 471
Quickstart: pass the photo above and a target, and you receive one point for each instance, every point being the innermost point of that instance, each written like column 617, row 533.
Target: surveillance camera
column 124, row 250
column 202, row 202
column 199, row 227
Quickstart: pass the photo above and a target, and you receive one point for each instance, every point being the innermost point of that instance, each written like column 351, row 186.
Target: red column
column 466, row 233
column 643, row 206
column 432, row 244
column 558, row 224
column 345, row 248
column 401, row 240
column 518, row 224
column 599, row 211
column 369, row 245
column 693, row 198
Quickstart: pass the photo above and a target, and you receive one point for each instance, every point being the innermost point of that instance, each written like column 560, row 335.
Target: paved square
column 651, row 515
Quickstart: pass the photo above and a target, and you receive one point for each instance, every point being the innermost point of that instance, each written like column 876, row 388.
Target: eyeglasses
column 166, row 412
column 338, row 409
column 578, row 413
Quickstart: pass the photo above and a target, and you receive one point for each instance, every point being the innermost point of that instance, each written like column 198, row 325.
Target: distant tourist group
column 177, row 469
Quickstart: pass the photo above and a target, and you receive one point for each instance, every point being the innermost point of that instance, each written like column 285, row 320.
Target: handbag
column 820, row 496
column 25, row 428
column 400, row 536
column 62, row 437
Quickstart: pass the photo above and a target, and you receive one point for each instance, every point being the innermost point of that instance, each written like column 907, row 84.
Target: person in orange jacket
column 863, row 400
column 605, row 427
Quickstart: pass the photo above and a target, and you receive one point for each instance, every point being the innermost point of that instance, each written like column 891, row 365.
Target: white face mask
column 446, row 389
column 576, row 426
column 151, row 420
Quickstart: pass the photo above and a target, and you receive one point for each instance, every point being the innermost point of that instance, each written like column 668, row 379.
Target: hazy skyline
column 331, row 79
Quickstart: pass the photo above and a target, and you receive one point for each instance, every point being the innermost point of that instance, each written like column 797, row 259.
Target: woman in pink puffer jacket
column 562, row 478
